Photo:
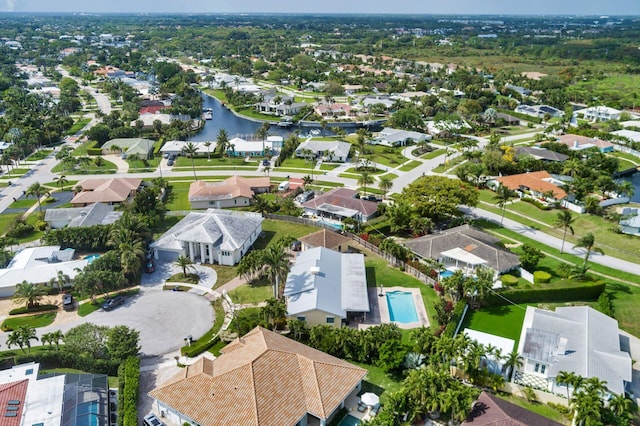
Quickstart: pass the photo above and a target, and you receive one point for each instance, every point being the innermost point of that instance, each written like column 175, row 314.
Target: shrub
column 509, row 280
column 198, row 348
column 541, row 277
column 129, row 374
column 605, row 304
column 587, row 291
column 458, row 311
column 39, row 308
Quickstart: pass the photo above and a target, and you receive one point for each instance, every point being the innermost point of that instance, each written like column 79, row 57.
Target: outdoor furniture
column 362, row 407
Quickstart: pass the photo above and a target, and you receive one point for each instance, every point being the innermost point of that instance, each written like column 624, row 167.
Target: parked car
column 170, row 162
column 111, row 303
column 373, row 198
column 67, row 302
column 152, row 420
column 305, row 196
column 266, row 163
column 165, row 155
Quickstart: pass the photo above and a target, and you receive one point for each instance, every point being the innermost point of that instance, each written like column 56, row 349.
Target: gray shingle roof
column 469, row 239
column 94, row 214
column 336, row 148
column 541, row 154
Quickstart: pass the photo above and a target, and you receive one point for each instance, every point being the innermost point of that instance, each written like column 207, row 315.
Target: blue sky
column 573, row 7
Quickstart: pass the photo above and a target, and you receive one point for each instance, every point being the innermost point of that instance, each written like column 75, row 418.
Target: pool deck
column 379, row 310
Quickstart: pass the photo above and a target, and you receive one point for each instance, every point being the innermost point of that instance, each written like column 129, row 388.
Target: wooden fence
column 392, row 260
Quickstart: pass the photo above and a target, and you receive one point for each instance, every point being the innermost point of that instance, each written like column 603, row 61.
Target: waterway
column 635, row 179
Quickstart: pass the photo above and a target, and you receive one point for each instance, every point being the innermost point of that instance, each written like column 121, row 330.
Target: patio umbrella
column 370, row 399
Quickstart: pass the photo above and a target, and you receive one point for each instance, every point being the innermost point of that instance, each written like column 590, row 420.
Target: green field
column 36, row 321
column 23, row 204
column 272, row 229
column 252, row 293
column 433, row 154
column 178, row 196
column 504, row 321
column 39, row 154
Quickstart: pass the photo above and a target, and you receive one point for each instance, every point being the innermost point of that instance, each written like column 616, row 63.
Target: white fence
column 526, row 275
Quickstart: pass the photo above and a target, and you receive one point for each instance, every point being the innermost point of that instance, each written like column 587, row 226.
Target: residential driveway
column 163, row 318
column 165, row 270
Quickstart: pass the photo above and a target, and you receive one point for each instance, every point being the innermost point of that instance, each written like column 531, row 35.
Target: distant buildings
column 598, row 113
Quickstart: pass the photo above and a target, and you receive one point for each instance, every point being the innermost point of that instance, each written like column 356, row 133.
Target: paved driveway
column 163, row 318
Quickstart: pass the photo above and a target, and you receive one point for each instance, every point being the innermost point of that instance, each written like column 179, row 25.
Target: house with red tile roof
column 261, row 378
column 232, row 192
column 536, row 184
column 578, row 143
column 491, row 410
column 108, row 191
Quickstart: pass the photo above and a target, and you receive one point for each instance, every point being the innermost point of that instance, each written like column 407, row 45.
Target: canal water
column 635, row 179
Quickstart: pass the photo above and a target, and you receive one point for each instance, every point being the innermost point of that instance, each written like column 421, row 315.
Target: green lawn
column 224, row 273
column 6, row 220
column 14, row 173
column 544, row 410
column 23, row 204
column 379, row 382
column 41, row 154
column 252, row 293
column 629, row 157
column 81, row 150
column 624, row 164
column 410, row 165
column 272, row 229
column 106, row 168
column 389, row 156
column 433, row 154
column 78, row 125
column 504, row 321
column 325, row 166
column 296, row 162
column 204, row 161
column 178, row 196
column 36, row 321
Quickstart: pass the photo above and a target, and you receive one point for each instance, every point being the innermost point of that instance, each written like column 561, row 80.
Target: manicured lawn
column 82, row 169
column 354, row 171
column 624, row 164
column 379, row 382
column 36, row 321
column 139, row 165
column 204, row 161
column 40, row 154
column 391, row 176
column 23, row 204
column 433, row 154
column 272, row 229
column 325, row 166
column 78, row 125
column 410, row 165
column 252, row 293
column 6, row 220
column 225, row 274
column 629, row 157
column 296, row 162
column 448, row 165
column 504, row 321
column 380, row 273
column 13, row 173
column 81, row 149
column 178, row 196
column 179, row 278
column 543, row 409
column 389, row 156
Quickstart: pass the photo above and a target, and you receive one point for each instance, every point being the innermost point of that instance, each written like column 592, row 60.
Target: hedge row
column 64, row 359
column 541, row 277
column 129, row 375
column 199, row 346
column 92, row 149
column 588, row 291
column 157, row 147
column 521, row 116
column 39, row 308
column 450, row 329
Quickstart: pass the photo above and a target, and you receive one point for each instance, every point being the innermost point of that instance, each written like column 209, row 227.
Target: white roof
column 176, row 146
column 631, row 123
column 505, row 345
column 241, row 145
column 43, row 404
column 39, row 265
column 336, row 148
column 629, row 134
column 599, row 110
column 463, row 256
column 327, row 280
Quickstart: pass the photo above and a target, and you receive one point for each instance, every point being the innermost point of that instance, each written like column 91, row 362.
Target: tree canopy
column 438, row 197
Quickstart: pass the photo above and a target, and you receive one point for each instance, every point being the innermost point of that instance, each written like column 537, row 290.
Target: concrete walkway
column 122, row 165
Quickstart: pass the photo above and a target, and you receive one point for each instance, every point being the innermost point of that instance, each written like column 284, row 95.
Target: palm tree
column 60, row 280
column 588, row 242
column 621, row 405
column 365, row 179
column 28, row 293
column 385, row 184
column 208, row 144
column 56, row 337
column 275, row 311
column 262, row 133
column 502, row 196
column 222, row 140
column 627, row 188
column 306, row 181
column 37, row 191
column 15, row 339
column 185, row 264
column 27, row 333
column 564, row 220
column 190, row 150
column 262, row 204
column 132, row 255
column 61, row 181
column 572, row 167
column 513, row 361
column 566, row 378
column 276, row 267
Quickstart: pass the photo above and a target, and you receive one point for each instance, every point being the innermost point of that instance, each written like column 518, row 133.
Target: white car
column 152, row 420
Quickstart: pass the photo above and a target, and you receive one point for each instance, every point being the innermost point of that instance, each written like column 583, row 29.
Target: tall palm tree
column 37, row 191
column 566, row 378
column 28, row 293
column 627, row 188
column 276, row 267
column 365, row 179
column 60, row 280
column 262, row 133
column 190, row 150
column 132, row 255
column 513, row 361
column 587, row 242
column 385, row 184
column 502, row 196
column 27, row 334
column 222, row 140
column 564, row 220
column 306, row 181
column 208, row 144
column 15, row 339
column 61, row 181
column 572, row 167
column 621, row 405
column 184, row 263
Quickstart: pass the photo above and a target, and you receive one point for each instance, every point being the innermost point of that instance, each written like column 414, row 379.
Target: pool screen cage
column 85, row 401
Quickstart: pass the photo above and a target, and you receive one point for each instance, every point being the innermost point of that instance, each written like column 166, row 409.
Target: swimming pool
column 401, row 307
column 91, row 257
column 87, row 413
column 446, row 274
column 336, row 226
column 349, row 420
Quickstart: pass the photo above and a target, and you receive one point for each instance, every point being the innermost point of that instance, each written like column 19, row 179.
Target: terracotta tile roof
column 534, row 181
column 114, row 190
column 154, row 109
column 14, row 391
column 578, row 141
column 262, row 378
column 490, row 410
column 231, row 188
column 325, row 238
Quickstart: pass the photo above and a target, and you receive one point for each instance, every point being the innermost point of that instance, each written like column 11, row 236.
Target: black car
column 109, row 304
column 373, row 198
column 67, row 302
column 266, row 163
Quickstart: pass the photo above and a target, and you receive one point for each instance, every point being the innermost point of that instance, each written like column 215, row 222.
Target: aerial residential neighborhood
column 321, row 218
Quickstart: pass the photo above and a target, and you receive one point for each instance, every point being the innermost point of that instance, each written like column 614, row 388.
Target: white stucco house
column 211, row 236
column 598, row 113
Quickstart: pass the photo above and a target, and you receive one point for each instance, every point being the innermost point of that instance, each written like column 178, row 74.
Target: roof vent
column 315, row 270
column 562, row 346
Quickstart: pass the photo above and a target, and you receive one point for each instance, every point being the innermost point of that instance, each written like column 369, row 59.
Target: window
column 225, row 253
column 211, row 203
column 537, row 368
column 542, row 368
column 330, row 320
column 301, row 318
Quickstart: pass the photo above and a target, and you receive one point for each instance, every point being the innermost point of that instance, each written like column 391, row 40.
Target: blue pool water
column 401, row 307
column 331, row 225
column 87, row 414
column 349, row 420
column 90, row 258
column 446, row 274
